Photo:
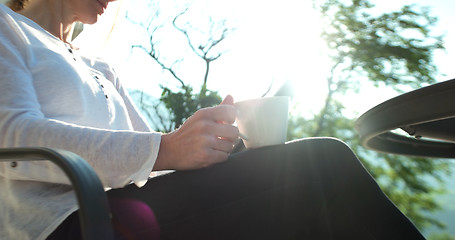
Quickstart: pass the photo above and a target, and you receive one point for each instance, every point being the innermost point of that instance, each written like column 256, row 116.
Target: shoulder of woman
column 7, row 16
column 3, row 7
column 6, row 19
column 11, row 34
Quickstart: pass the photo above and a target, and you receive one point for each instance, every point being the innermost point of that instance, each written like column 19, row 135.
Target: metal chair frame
column 94, row 211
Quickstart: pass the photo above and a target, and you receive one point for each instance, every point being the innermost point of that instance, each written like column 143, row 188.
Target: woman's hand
column 205, row 138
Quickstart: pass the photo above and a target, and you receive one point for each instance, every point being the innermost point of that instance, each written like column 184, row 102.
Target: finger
column 224, row 131
column 220, row 156
column 223, row 145
column 229, row 100
column 221, row 113
column 227, row 132
column 211, row 156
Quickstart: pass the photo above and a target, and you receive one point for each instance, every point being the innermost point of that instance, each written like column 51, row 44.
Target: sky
column 274, row 42
column 271, row 44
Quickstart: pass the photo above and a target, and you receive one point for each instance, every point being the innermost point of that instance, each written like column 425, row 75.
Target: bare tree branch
column 152, row 29
column 203, row 48
column 329, row 97
column 204, row 51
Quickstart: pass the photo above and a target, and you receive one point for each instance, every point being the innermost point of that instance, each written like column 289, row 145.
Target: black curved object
column 426, row 114
column 94, row 211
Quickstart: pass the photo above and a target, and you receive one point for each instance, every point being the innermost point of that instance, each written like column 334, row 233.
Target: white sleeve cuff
column 141, row 177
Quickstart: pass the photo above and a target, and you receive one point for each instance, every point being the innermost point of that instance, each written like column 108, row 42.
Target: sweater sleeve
column 137, row 119
column 118, row 156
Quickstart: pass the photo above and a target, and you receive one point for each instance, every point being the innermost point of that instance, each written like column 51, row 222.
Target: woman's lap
column 312, row 188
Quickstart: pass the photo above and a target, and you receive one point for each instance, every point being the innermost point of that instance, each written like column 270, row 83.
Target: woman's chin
column 92, row 20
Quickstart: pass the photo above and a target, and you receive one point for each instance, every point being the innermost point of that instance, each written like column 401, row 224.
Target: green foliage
column 441, row 236
column 168, row 112
column 183, row 103
column 395, row 49
column 411, row 184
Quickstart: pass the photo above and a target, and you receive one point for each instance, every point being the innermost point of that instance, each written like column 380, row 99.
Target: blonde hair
column 17, row 5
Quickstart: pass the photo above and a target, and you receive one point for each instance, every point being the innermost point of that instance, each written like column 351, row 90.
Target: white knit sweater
column 51, row 96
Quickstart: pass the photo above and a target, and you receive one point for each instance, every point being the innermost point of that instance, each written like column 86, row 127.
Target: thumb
column 229, row 100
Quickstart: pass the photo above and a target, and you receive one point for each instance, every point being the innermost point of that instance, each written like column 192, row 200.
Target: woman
column 55, row 95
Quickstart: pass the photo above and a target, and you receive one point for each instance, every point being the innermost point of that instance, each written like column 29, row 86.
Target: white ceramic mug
column 263, row 121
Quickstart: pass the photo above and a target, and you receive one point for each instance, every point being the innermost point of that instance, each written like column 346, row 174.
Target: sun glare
column 278, row 42
column 273, row 42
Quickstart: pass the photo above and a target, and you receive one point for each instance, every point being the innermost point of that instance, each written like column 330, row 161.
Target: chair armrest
column 94, row 211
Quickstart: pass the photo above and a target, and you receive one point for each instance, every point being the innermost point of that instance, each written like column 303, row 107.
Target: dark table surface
column 427, row 115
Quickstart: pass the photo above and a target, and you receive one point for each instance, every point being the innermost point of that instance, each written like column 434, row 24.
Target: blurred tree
column 441, row 236
column 393, row 49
